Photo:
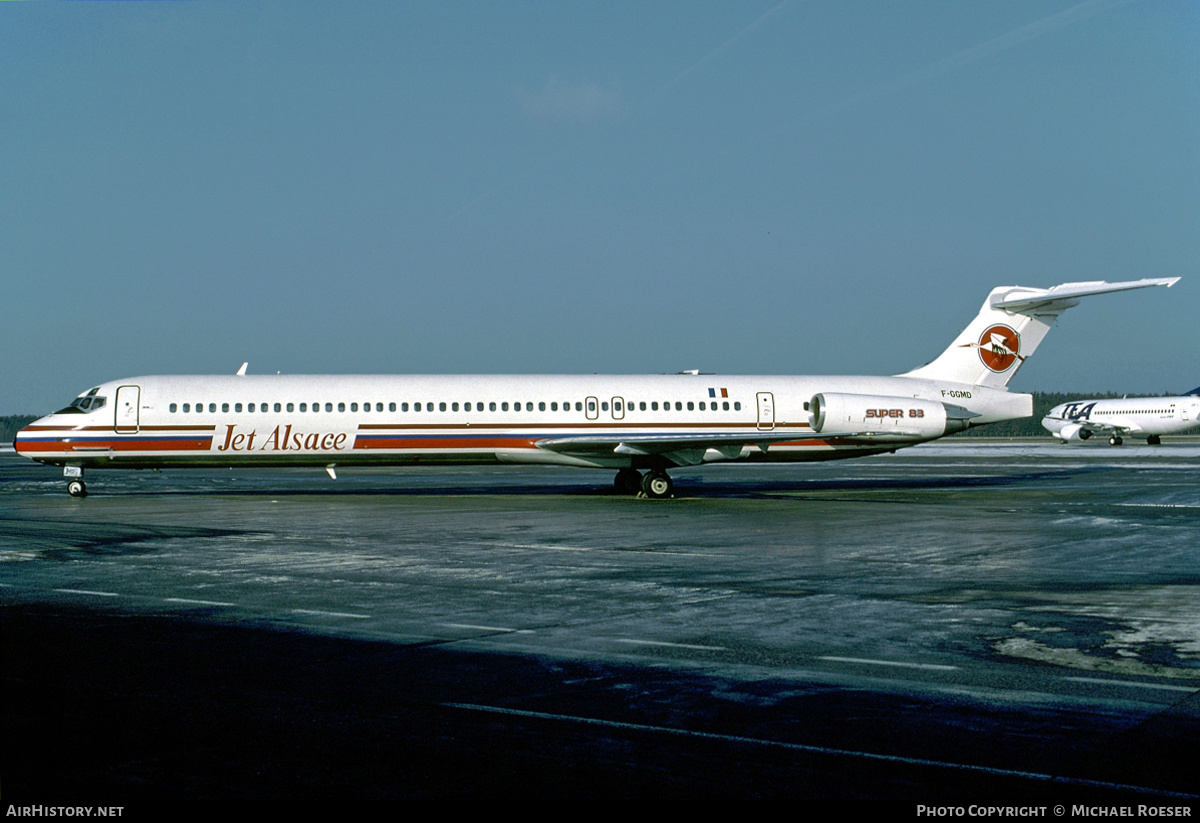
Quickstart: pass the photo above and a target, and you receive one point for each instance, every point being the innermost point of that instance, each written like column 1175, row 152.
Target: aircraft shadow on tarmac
column 693, row 486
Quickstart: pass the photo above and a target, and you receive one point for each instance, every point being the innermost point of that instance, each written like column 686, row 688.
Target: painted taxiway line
column 1134, row 684
column 86, row 592
column 820, row 750
column 319, row 613
column 493, row 629
column 895, row 663
column 190, row 602
column 635, row 642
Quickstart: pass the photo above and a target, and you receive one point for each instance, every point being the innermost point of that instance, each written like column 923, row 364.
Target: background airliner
column 640, row 425
column 1148, row 417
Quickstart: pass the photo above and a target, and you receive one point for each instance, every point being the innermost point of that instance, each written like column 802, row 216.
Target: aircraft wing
column 689, row 449
column 681, row 449
column 1106, row 428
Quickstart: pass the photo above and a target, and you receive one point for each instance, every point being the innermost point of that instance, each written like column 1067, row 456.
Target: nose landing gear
column 75, row 485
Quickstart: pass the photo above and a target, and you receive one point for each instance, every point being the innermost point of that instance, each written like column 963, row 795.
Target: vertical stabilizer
column 1009, row 327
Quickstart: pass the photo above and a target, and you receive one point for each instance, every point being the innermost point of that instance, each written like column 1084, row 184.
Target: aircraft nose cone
column 23, row 437
column 17, row 437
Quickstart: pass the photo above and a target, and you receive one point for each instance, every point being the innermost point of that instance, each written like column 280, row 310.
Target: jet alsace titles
column 1148, row 417
column 640, row 425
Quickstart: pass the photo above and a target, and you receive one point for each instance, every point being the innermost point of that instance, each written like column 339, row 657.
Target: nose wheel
column 75, row 484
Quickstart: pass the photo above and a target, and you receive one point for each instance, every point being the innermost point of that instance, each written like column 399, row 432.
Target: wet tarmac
column 959, row 623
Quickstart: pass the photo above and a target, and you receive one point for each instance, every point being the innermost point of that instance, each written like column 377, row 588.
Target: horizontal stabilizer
column 1053, row 300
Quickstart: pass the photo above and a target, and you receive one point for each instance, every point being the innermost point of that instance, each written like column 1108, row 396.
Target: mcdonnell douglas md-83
column 1148, row 417
column 639, row 425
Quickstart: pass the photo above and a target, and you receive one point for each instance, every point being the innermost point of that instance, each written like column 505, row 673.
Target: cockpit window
column 84, row 403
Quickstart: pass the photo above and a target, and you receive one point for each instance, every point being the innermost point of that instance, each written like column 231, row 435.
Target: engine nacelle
column 882, row 417
column 1073, row 431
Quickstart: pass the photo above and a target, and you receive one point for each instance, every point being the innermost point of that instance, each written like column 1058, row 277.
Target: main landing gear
column 655, row 484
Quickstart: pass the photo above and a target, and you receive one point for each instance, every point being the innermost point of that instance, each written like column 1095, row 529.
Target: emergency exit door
column 766, row 411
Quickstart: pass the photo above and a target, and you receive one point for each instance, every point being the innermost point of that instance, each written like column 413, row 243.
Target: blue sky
column 769, row 187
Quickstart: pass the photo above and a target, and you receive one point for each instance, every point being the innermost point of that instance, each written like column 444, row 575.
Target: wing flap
column 682, row 449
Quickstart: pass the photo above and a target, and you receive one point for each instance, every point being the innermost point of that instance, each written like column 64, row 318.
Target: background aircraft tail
column 1008, row 329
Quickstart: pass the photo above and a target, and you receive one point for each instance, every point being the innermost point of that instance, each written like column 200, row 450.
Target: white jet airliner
column 1148, row 417
column 634, row 424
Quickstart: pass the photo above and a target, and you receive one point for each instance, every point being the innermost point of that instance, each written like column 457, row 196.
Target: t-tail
column 1010, row 326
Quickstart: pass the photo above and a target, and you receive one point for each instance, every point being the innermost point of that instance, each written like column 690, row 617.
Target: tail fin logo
column 999, row 347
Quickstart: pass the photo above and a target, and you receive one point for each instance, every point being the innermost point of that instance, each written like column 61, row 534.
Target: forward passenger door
column 125, row 408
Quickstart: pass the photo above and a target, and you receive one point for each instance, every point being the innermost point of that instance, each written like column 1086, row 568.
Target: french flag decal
column 713, row 392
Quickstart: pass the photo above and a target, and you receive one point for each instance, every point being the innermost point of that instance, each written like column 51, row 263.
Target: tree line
column 11, row 424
